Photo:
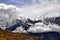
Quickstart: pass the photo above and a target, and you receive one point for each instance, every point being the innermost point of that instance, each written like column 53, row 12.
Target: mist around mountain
column 23, row 20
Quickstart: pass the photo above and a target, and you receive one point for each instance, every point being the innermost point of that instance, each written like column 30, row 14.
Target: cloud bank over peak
column 7, row 13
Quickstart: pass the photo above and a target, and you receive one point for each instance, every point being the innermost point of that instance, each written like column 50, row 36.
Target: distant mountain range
column 28, row 23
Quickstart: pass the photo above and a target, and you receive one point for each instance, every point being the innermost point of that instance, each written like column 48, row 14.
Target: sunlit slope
column 6, row 35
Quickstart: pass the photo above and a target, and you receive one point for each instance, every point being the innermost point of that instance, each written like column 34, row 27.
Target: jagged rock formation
column 52, row 20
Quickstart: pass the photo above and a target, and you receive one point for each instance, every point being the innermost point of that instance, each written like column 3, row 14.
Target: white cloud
column 41, row 10
column 7, row 14
column 20, row 30
column 37, row 28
